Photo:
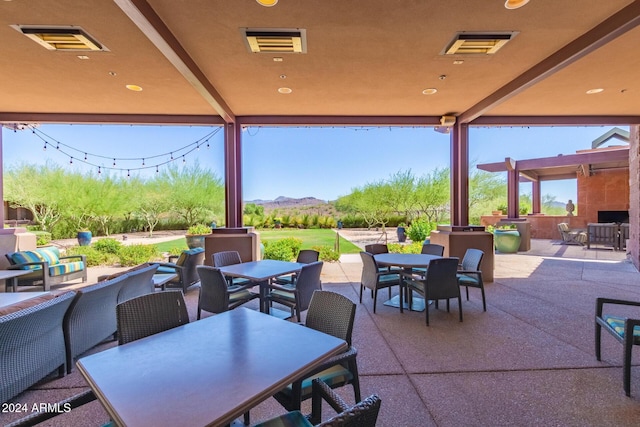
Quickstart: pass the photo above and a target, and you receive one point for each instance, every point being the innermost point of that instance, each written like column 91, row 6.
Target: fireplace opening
column 613, row 216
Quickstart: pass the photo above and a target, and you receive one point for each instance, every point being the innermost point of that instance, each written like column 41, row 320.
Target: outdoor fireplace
column 613, row 216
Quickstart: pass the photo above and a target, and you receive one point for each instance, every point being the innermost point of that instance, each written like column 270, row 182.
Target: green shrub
column 411, row 248
column 137, row 254
column 108, row 245
column 176, row 250
column 199, row 230
column 42, row 237
column 94, row 257
column 285, row 249
column 327, row 253
column 419, row 230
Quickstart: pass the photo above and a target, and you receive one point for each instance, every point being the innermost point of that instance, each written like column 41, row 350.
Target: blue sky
column 296, row 162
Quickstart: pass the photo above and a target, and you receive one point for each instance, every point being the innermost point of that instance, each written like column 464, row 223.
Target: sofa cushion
column 51, row 255
column 26, row 257
column 65, row 268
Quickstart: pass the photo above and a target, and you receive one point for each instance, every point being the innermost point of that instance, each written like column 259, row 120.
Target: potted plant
column 506, row 238
column 84, row 237
column 401, row 231
column 195, row 235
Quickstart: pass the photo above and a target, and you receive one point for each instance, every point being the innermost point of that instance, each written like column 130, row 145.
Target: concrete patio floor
column 528, row 361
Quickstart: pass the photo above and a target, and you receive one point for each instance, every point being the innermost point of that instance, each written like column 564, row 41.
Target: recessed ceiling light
column 134, row 88
column 285, row 90
column 277, row 59
column 592, row 91
column 429, row 91
column 83, row 57
column 112, row 73
column 515, row 4
column 458, row 62
column 267, row 3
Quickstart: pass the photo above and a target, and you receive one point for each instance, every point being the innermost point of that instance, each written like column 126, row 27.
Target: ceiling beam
column 146, row 19
column 129, row 119
column 617, row 24
column 339, row 120
column 556, row 121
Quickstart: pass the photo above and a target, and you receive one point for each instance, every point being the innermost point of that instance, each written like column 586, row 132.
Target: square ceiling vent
column 275, row 40
column 61, row 38
column 478, row 43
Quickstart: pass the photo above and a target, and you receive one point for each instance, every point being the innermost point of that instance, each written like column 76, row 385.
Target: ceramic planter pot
column 506, row 241
column 195, row 241
column 84, row 238
column 401, row 234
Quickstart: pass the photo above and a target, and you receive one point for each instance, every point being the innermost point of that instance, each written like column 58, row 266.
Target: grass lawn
column 310, row 237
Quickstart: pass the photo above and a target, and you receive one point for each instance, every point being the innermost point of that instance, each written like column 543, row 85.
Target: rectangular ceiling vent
column 276, row 40
column 478, row 43
column 61, row 38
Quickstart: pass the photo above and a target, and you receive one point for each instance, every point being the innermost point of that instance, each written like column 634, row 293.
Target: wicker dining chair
column 362, row 414
column 432, row 249
column 470, row 275
column 333, row 314
column 223, row 258
column 297, row 296
column 439, row 282
column 375, row 278
column 150, row 314
column 216, row 296
column 305, row 256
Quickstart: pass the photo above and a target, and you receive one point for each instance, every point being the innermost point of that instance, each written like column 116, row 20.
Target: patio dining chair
column 439, row 282
column 223, row 258
column 332, row 314
column 469, row 274
column 362, row 414
column 216, row 296
column 297, row 296
column 150, row 314
column 625, row 330
column 432, row 249
column 374, row 279
column 305, row 256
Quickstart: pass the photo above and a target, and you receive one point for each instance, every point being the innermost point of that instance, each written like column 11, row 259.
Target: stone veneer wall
column 634, row 196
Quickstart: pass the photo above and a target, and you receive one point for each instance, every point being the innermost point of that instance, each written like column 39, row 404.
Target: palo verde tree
column 195, row 194
column 38, row 188
column 150, row 201
column 432, row 194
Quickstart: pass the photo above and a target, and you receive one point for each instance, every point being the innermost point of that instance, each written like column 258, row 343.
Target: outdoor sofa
column 31, row 342
column 48, row 267
column 91, row 318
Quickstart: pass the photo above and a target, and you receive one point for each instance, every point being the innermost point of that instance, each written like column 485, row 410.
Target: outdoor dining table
column 10, row 298
column 261, row 272
column 205, row 373
column 10, row 278
column 407, row 262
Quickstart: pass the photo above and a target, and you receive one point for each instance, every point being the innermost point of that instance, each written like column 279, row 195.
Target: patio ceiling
column 363, row 59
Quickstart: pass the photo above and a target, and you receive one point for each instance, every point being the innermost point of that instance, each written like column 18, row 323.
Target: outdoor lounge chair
column 625, row 330
column 606, row 234
column 569, row 236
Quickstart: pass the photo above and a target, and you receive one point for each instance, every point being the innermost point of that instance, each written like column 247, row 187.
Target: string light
column 184, row 160
column 66, row 149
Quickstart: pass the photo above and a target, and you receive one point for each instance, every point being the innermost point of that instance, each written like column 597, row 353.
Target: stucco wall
column 634, row 196
column 602, row 191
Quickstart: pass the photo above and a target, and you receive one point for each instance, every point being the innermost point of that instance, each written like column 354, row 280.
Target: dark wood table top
column 404, row 260
column 208, row 372
column 261, row 271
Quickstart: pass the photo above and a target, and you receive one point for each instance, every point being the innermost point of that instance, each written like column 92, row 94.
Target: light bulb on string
column 44, row 148
column 171, row 156
column 183, row 160
column 71, row 160
column 157, row 169
column 85, row 156
column 142, row 162
column 128, row 174
column 198, row 147
column 114, row 162
column 99, row 171
column 57, row 146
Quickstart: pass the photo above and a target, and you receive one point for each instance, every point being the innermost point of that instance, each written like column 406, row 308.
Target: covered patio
column 528, row 361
